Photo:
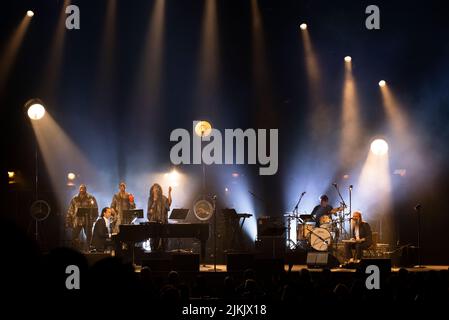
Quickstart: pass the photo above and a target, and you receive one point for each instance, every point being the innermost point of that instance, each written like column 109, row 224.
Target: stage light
column 30, row 13
column 379, row 147
column 71, row 179
column 348, row 58
column 11, row 174
column 226, row 189
column 35, row 109
column 382, row 83
column 203, row 128
column 172, row 178
column 303, row 26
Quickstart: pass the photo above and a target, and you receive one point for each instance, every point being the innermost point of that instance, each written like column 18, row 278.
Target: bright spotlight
column 203, row 128
column 303, row 26
column 30, row 13
column 172, row 178
column 11, row 174
column 35, row 109
column 379, row 147
column 382, row 83
column 71, row 176
column 348, row 58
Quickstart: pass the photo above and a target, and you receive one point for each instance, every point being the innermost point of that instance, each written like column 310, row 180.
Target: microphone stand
column 418, row 213
column 214, row 200
column 295, row 212
column 295, row 209
column 344, row 206
column 350, row 208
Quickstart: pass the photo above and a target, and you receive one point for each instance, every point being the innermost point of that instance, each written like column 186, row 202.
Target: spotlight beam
column 12, row 48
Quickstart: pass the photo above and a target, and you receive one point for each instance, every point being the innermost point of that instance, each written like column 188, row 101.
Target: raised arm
column 169, row 196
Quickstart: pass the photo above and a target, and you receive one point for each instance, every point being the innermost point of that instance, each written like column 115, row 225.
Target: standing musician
column 81, row 200
column 122, row 200
column 361, row 235
column 158, row 207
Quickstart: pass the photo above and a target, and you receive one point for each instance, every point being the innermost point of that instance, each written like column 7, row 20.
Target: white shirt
column 106, row 220
column 356, row 232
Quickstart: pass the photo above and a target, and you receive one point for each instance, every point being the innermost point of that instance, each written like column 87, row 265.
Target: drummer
column 323, row 209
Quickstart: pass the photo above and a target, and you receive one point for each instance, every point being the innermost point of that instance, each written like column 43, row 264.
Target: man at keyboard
column 361, row 236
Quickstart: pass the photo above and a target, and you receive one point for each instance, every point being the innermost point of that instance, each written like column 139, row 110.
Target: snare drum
column 303, row 230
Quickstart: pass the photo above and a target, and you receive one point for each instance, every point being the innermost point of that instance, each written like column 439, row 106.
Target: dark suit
column 364, row 232
column 100, row 235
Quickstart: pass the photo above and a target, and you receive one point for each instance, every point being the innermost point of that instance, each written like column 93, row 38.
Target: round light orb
column 348, row 59
column 71, row 176
column 382, row 83
column 36, row 111
column 30, row 13
column 379, row 147
column 303, row 26
column 203, row 128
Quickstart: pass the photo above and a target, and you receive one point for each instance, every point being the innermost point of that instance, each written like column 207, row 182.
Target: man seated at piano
column 101, row 232
column 361, row 236
column 158, row 207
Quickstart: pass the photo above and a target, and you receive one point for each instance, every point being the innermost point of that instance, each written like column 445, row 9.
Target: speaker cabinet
column 271, row 247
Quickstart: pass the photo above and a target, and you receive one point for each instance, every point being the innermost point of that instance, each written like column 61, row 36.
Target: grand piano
column 133, row 233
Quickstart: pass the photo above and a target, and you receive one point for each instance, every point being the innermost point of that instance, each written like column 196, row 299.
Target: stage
column 276, row 139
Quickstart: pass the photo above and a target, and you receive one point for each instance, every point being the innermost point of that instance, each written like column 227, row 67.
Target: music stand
column 179, row 214
column 88, row 213
column 130, row 215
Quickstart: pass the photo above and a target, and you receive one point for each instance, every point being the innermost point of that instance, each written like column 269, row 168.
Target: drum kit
column 309, row 235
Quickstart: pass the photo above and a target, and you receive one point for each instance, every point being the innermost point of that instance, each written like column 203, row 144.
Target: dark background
column 410, row 51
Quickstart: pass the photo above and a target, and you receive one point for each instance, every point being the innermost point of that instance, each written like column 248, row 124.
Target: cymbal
column 289, row 216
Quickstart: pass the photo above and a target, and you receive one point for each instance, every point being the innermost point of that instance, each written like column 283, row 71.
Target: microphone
column 418, row 207
column 303, row 193
column 334, row 184
column 214, row 197
column 350, row 187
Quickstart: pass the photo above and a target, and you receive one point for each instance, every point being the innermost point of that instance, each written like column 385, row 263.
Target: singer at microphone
column 361, row 234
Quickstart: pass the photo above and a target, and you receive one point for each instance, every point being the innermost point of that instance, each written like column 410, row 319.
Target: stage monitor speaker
column 321, row 260
column 237, row 262
column 186, row 262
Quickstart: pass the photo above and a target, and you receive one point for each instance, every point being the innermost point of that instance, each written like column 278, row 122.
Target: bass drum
column 320, row 239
